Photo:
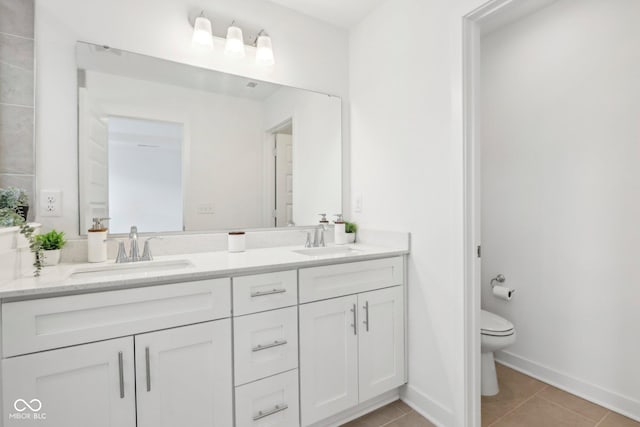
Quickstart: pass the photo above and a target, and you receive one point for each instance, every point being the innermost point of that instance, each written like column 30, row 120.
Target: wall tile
column 16, row 17
column 16, row 85
column 16, row 140
column 27, row 183
column 16, row 51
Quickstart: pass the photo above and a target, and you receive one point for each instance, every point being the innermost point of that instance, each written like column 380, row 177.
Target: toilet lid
column 492, row 324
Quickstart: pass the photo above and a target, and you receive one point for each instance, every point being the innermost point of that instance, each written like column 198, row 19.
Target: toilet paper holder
column 499, row 278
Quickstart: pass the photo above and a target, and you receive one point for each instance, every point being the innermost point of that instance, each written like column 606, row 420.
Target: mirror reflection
column 172, row 147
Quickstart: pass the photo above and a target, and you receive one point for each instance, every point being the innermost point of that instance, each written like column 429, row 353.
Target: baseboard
column 432, row 410
column 593, row 393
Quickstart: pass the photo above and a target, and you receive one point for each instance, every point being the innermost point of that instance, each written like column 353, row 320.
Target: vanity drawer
column 265, row 344
column 272, row 401
column 36, row 325
column 318, row 283
column 262, row 292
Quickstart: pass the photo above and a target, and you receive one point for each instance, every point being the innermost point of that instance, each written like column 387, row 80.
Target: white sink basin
column 330, row 250
column 130, row 268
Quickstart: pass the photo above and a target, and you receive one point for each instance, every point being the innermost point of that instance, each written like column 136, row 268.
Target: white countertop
column 56, row 280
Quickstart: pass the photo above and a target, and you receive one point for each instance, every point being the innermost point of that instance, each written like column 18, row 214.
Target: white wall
column 309, row 54
column 561, row 193
column 223, row 137
column 316, row 150
column 407, row 164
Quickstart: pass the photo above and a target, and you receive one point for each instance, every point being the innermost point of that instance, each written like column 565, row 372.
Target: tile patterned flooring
column 522, row 402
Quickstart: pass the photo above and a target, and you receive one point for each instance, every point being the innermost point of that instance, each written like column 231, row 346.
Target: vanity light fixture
column 264, row 49
column 234, row 45
column 202, row 35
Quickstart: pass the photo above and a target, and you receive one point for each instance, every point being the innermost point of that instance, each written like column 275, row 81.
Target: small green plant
column 51, row 241
column 350, row 227
column 34, row 245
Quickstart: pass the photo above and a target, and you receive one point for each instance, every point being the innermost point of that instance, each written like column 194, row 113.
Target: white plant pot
column 8, row 238
column 51, row 257
column 351, row 237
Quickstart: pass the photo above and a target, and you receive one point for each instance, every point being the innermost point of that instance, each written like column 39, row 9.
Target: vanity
column 273, row 336
column 279, row 335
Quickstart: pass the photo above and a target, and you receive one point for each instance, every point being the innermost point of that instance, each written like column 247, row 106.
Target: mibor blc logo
column 27, row 410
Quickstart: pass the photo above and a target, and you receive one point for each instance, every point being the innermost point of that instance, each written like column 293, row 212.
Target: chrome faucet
column 134, row 252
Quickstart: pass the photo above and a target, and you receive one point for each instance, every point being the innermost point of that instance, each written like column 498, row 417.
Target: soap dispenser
column 97, row 241
column 340, row 235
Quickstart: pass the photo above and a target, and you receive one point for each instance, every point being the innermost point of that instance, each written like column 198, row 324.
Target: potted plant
column 14, row 207
column 15, row 199
column 50, row 243
column 351, row 228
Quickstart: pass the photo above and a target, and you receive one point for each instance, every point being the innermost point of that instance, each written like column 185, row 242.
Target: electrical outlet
column 50, row 203
column 205, row 209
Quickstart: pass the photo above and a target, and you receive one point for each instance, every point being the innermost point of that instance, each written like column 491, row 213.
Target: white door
column 86, row 385
column 381, row 345
column 183, row 376
column 328, row 357
column 284, row 180
column 93, row 161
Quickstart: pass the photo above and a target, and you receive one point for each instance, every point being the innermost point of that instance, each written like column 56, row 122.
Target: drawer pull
column 355, row 321
column 366, row 312
column 148, row 368
column 275, row 410
column 265, row 293
column 261, row 347
column 121, row 374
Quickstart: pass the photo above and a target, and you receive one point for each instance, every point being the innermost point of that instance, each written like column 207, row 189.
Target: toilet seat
column 494, row 325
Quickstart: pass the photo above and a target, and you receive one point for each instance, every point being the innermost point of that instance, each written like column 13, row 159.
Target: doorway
column 555, row 215
column 283, row 175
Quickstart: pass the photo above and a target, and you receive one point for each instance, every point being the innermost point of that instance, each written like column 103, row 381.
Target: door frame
column 471, row 38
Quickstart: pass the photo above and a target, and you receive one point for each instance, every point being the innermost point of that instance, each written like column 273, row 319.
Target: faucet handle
column 146, row 252
column 133, row 232
column 308, row 244
column 122, row 253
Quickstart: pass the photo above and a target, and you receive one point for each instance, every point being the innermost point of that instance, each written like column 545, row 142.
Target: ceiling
column 341, row 13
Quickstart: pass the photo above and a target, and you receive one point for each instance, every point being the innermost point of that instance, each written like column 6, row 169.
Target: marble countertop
column 59, row 280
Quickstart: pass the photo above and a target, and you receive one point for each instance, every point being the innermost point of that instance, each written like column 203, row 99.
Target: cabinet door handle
column 355, row 321
column 272, row 411
column 121, row 374
column 265, row 293
column 366, row 315
column 261, row 347
column 147, row 367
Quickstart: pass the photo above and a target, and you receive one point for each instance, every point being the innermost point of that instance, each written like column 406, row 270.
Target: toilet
column 496, row 333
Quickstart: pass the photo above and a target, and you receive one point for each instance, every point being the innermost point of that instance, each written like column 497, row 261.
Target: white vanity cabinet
column 180, row 374
column 352, row 348
column 183, row 376
column 285, row 348
column 80, row 386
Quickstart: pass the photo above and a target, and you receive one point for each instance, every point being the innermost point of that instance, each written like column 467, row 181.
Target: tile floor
column 526, row 402
column 395, row 414
column 522, row 402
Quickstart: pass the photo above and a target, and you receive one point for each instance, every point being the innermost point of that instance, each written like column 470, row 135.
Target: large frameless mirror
column 172, row 147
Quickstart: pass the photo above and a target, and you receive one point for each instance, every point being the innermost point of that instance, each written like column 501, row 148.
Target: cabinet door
column 381, row 345
column 328, row 358
column 183, row 376
column 86, row 385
